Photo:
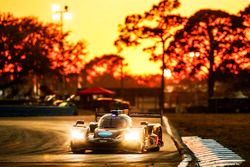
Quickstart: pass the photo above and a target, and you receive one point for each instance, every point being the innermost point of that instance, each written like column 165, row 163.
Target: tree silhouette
column 69, row 64
column 24, row 46
column 245, row 14
column 108, row 64
column 212, row 41
column 29, row 47
column 73, row 59
column 152, row 30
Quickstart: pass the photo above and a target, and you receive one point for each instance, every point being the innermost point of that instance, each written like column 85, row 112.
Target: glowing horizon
column 96, row 22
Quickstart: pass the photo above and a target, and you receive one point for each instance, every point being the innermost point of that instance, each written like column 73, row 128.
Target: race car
column 114, row 131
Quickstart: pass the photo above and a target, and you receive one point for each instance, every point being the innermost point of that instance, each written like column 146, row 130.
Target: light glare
column 76, row 134
column 56, row 16
column 132, row 136
column 167, row 73
column 67, row 16
column 55, row 7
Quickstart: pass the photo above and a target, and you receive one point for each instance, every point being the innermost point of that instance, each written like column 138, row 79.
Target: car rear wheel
column 156, row 149
column 76, row 150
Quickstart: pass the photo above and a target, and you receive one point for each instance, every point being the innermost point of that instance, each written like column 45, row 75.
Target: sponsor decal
column 105, row 134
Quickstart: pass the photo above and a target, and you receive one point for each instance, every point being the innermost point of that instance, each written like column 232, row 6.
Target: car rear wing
column 131, row 113
column 100, row 113
column 149, row 114
column 135, row 112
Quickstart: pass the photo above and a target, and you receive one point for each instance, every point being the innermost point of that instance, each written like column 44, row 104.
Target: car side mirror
column 92, row 127
column 79, row 123
column 144, row 123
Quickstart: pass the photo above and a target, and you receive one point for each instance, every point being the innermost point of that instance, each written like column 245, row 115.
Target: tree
column 72, row 61
column 152, row 30
column 245, row 14
column 212, row 41
column 24, row 46
column 108, row 64
column 29, row 47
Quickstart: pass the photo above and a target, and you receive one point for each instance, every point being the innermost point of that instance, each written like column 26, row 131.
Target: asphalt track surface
column 44, row 141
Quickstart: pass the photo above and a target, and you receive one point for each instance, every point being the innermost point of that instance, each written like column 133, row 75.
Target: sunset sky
column 96, row 21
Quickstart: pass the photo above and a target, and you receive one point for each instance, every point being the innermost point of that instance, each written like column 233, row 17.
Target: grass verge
column 231, row 130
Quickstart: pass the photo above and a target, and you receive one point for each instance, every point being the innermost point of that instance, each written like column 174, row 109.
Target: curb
column 188, row 158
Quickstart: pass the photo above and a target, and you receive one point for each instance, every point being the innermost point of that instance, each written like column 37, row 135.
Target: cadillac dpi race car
column 114, row 131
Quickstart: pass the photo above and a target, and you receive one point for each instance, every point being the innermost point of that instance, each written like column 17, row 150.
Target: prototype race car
column 114, row 131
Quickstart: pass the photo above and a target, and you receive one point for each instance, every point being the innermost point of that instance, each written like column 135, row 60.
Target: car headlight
column 77, row 134
column 132, row 136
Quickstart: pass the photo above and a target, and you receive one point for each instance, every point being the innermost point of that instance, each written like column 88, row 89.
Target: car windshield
column 113, row 122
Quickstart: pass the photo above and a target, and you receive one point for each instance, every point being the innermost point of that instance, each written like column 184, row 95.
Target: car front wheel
column 74, row 151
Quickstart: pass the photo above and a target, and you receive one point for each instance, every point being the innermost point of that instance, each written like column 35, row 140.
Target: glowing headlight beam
column 132, row 136
column 77, row 134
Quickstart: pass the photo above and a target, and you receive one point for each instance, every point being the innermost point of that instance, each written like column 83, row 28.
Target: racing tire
column 78, row 151
column 156, row 149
